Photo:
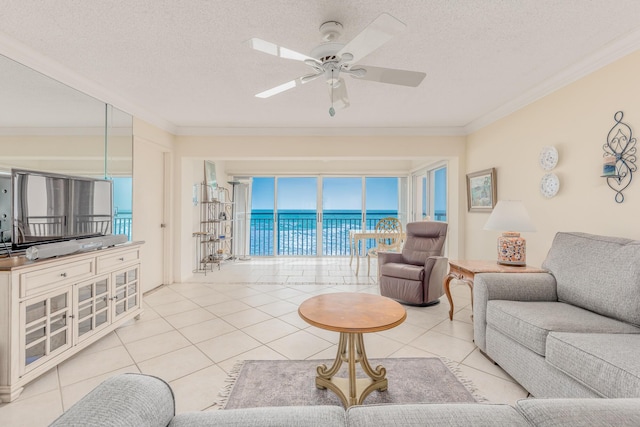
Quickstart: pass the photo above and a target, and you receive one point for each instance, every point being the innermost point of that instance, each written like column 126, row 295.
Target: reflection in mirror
column 48, row 126
column 119, row 167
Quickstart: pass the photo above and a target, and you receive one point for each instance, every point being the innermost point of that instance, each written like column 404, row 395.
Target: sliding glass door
column 313, row 215
column 297, row 216
column 341, row 212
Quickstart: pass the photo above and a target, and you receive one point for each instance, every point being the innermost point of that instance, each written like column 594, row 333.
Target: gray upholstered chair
column 415, row 276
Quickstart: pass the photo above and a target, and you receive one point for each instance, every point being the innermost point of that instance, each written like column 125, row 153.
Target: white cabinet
column 45, row 328
column 51, row 309
column 93, row 306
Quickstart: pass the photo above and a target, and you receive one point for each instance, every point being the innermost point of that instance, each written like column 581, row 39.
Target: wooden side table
column 352, row 314
column 465, row 271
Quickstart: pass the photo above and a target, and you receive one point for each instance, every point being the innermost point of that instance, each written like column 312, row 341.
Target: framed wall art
column 482, row 193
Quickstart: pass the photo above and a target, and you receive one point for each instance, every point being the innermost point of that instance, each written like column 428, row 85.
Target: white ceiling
column 182, row 64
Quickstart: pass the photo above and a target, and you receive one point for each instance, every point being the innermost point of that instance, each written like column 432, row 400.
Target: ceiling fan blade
column 275, row 50
column 338, row 94
column 288, row 85
column 381, row 30
column 391, row 75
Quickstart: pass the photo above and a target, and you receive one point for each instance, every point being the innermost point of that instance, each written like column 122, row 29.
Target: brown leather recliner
column 416, row 275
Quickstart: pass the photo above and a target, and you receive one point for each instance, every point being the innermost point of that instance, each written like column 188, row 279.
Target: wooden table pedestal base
column 351, row 390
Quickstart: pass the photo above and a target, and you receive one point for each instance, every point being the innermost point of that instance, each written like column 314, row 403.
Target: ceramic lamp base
column 512, row 249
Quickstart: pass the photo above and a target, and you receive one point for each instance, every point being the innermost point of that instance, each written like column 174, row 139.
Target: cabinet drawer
column 109, row 262
column 45, row 279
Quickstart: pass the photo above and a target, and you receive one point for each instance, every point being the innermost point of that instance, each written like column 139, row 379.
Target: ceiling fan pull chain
column 332, row 111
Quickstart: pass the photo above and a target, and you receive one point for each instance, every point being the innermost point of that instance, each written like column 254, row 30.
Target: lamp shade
column 509, row 215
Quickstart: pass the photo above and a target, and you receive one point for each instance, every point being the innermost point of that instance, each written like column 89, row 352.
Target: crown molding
column 35, row 60
column 324, row 131
column 614, row 51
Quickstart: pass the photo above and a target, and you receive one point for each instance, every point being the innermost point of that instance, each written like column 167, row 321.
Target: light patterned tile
column 279, row 307
column 45, row 383
column 455, row 328
column 207, row 330
column 259, row 300
column 189, row 318
column 199, row 390
column 270, row 330
column 156, row 345
column 229, row 307
column 83, row 366
column 259, row 353
column 299, row 345
column 482, row 363
column 444, row 345
column 176, row 364
column 496, row 390
column 164, row 295
column 143, row 330
column 247, row 318
column 36, row 411
column 227, row 346
column 175, row 307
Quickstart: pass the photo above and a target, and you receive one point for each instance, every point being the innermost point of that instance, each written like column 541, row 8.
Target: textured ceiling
column 184, row 62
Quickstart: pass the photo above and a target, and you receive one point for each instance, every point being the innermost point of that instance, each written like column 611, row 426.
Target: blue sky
column 338, row 193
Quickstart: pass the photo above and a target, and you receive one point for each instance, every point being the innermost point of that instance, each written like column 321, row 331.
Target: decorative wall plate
column 548, row 158
column 549, row 185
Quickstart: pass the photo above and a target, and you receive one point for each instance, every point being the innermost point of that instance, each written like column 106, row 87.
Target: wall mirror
column 48, row 126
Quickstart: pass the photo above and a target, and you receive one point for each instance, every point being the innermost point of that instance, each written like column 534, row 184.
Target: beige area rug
column 260, row 383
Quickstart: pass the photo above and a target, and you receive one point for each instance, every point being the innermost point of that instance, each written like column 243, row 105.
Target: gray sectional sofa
column 138, row 400
column 572, row 332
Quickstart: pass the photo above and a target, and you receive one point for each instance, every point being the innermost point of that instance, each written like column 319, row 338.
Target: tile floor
column 191, row 334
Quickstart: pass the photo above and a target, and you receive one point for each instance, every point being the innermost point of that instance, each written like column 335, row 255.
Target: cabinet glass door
column 93, row 306
column 47, row 328
column 126, row 291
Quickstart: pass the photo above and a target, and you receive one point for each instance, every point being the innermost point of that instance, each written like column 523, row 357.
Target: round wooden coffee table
column 352, row 314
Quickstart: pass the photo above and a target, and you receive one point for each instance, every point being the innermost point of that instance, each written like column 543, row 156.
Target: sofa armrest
column 386, row 257
column 580, row 412
column 507, row 286
column 123, row 400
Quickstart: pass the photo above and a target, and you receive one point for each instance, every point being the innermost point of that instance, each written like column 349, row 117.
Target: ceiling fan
column 331, row 59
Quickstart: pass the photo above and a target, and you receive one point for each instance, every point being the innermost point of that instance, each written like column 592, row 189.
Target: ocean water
column 297, row 231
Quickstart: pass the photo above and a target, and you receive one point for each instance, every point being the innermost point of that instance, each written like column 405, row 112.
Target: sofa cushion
column 529, row 322
column 282, row 416
column 607, row 363
column 599, row 273
column 580, row 412
column 451, row 415
column 402, row 271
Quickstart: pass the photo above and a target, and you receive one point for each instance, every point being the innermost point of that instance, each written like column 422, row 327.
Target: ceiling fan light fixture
column 330, row 30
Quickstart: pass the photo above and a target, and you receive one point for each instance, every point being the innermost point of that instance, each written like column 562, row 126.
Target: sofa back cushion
column 424, row 239
column 598, row 273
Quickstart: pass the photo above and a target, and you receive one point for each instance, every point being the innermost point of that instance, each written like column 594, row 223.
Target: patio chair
column 416, row 275
column 386, row 243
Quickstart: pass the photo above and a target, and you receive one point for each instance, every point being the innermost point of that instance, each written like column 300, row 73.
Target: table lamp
column 510, row 217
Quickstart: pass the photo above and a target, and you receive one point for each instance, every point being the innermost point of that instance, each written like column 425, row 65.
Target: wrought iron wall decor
column 619, row 157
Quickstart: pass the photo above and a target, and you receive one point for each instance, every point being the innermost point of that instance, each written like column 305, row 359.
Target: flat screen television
column 49, row 207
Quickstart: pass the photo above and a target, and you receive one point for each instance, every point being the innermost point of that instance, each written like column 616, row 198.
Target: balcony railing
column 122, row 225
column 297, row 232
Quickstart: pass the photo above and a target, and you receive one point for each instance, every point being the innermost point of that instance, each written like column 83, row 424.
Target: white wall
column 576, row 120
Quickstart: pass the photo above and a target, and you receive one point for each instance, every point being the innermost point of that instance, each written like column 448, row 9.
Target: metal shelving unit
column 214, row 239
